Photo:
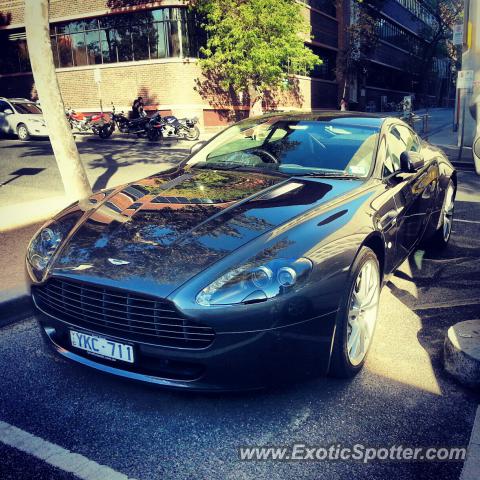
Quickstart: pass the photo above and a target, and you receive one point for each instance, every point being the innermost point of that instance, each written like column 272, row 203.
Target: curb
column 15, row 310
column 471, row 466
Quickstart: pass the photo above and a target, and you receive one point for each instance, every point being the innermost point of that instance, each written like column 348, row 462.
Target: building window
column 420, row 11
column 126, row 37
column 395, row 35
column 325, row 71
column 326, row 6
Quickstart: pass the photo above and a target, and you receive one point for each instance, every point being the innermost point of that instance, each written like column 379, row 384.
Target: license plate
column 101, row 346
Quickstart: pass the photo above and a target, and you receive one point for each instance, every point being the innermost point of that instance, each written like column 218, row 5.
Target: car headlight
column 251, row 283
column 44, row 245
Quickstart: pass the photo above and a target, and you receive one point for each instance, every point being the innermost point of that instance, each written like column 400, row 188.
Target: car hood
column 153, row 235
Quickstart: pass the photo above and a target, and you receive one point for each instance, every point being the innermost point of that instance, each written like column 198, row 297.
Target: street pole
column 72, row 171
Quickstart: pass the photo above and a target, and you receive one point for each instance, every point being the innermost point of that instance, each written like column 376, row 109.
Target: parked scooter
column 100, row 124
column 151, row 127
column 181, row 127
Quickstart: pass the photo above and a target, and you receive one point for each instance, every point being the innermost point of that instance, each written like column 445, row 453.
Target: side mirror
column 198, row 146
column 8, row 111
column 411, row 162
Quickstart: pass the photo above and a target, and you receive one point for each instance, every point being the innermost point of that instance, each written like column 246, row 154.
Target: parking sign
column 465, row 79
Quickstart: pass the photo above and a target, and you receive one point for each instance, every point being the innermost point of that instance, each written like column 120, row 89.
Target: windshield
column 24, row 107
column 335, row 146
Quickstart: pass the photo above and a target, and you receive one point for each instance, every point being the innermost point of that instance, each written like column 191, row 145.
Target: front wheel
column 22, row 132
column 357, row 316
column 192, row 133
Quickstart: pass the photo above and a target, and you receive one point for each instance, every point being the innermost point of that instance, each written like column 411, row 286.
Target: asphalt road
column 28, row 171
column 401, row 397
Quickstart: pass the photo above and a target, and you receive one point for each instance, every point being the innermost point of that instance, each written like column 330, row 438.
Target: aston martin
column 258, row 259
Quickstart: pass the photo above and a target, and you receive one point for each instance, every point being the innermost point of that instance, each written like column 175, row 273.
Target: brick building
column 149, row 50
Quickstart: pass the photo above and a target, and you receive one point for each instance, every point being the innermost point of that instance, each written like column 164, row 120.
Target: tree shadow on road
column 111, row 156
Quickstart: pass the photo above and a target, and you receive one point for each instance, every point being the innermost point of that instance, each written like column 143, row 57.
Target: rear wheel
column 441, row 237
column 192, row 133
column 154, row 134
column 22, row 132
column 357, row 316
column 105, row 131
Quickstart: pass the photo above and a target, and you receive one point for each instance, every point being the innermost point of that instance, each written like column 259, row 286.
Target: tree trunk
column 72, row 171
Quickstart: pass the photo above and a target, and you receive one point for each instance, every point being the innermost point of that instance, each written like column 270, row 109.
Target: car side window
column 3, row 106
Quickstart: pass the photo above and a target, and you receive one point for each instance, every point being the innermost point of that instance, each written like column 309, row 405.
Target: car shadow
column 443, row 287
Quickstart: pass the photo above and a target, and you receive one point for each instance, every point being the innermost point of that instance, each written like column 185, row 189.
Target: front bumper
column 234, row 361
column 37, row 130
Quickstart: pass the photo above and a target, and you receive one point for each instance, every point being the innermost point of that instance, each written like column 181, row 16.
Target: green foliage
column 254, row 44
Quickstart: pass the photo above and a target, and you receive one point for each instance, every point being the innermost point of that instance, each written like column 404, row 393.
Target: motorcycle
column 151, row 127
column 181, row 127
column 99, row 124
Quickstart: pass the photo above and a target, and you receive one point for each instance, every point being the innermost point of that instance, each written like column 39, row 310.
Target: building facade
column 150, row 50
column 394, row 69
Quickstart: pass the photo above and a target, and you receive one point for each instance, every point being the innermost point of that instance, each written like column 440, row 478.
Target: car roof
column 375, row 120
column 23, row 100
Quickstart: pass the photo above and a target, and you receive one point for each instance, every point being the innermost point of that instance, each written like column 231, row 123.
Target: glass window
column 162, row 50
column 124, row 44
column 108, row 45
column 94, row 52
column 297, row 146
column 64, row 44
column 124, row 37
column 26, row 108
column 79, row 49
column 173, row 39
column 4, row 106
column 140, row 41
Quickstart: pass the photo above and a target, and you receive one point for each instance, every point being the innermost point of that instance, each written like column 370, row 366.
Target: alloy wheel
column 447, row 213
column 22, row 132
column 363, row 311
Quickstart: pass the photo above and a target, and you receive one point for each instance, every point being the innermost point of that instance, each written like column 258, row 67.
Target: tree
column 253, row 46
column 446, row 13
column 72, row 171
column 362, row 39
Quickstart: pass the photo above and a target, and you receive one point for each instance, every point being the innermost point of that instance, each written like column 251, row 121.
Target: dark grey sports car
column 258, row 259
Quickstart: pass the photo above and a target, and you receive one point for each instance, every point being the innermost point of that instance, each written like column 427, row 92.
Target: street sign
column 97, row 75
column 465, row 79
column 457, row 38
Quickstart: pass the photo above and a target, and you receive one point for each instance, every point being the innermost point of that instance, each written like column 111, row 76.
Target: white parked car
column 21, row 117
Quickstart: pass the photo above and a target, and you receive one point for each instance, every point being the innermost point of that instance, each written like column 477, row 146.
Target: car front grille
column 119, row 313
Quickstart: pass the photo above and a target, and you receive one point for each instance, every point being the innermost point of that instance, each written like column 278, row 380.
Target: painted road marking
column 465, row 221
column 56, row 456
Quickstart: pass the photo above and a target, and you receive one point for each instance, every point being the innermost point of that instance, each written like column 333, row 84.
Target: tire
column 105, row 132
column 123, row 126
column 356, row 320
column 192, row 133
column 154, row 134
column 22, row 132
column 439, row 240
